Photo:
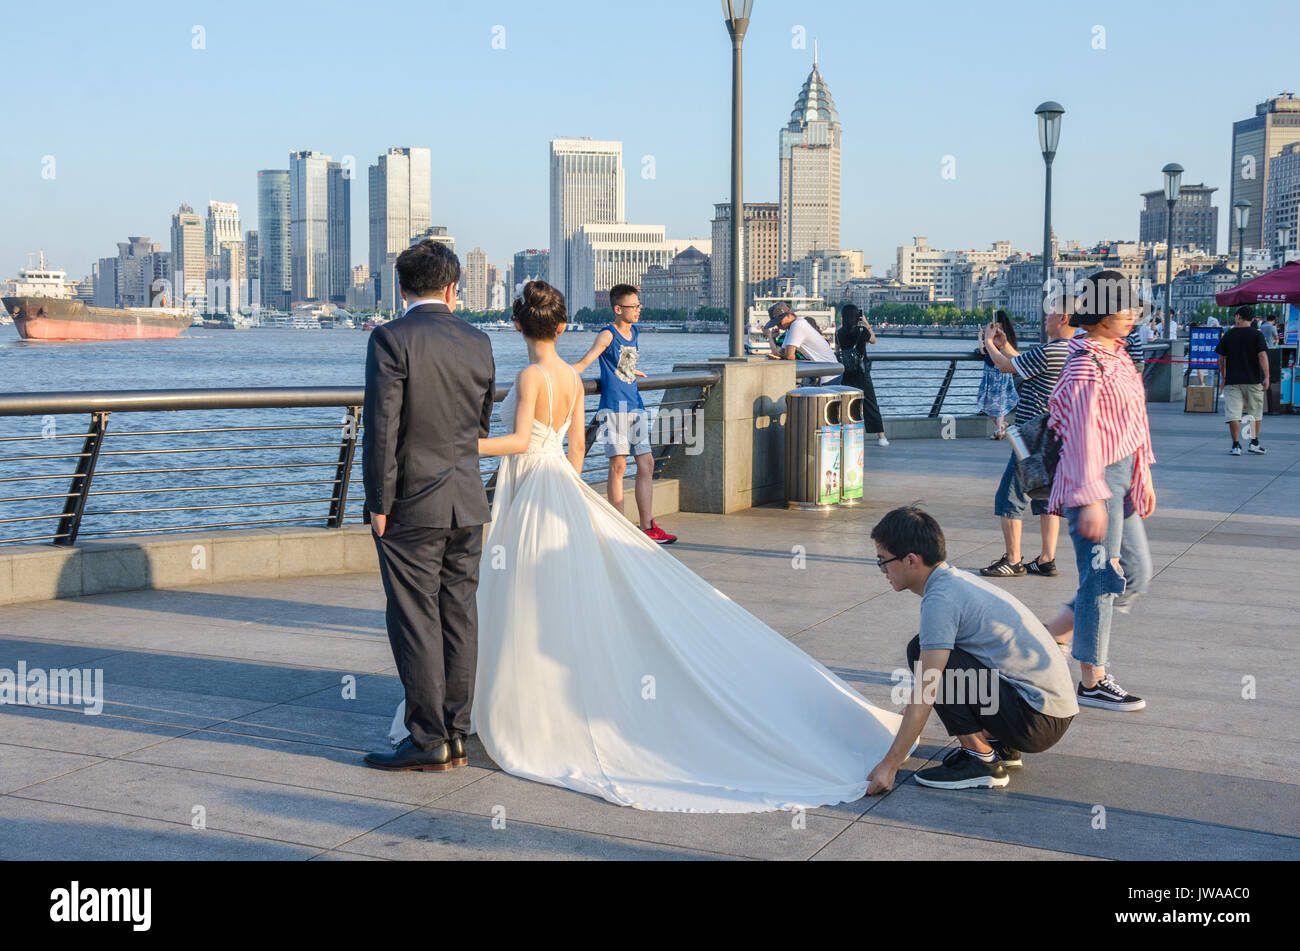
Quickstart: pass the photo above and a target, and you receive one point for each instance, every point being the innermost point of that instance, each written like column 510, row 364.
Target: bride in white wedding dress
column 608, row 667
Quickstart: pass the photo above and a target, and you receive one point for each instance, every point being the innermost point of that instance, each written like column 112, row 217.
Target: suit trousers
column 430, row 580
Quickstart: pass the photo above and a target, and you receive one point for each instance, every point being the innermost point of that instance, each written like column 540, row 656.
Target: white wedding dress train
column 608, row 667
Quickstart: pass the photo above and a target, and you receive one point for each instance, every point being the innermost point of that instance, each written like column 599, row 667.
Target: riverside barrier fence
column 114, row 463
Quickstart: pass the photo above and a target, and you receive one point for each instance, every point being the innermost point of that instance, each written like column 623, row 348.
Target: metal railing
column 238, row 472
column 86, row 478
column 952, row 378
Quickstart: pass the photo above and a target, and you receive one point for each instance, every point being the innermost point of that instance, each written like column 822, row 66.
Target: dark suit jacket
column 430, row 382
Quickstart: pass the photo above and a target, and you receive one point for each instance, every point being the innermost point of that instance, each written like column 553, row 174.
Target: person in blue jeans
column 1103, row 484
column 1105, row 588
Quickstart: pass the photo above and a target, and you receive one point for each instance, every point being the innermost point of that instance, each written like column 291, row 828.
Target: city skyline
column 668, row 106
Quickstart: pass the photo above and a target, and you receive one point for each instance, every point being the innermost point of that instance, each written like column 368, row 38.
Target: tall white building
column 586, row 188
column 400, row 209
column 188, row 259
column 309, row 225
column 222, row 226
column 476, row 281
column 920, row 264
column 810, row 173
column 609, row 254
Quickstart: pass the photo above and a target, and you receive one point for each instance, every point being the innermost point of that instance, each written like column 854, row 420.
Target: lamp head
column 1241, row 213
column 1049, row 126
column 735, row 14
column 1173, row 180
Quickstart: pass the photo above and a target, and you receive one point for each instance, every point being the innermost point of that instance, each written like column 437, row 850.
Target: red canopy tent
column 1281, row 286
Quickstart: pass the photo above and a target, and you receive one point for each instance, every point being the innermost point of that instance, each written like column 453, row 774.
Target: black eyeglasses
column 881, row 563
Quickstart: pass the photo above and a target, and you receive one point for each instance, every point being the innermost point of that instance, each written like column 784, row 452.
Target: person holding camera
column 852, row 338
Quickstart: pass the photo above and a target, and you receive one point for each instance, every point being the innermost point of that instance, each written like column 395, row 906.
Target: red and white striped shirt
column 1100, row 413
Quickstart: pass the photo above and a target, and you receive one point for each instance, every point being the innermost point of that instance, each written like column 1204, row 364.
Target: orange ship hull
column 48, row 318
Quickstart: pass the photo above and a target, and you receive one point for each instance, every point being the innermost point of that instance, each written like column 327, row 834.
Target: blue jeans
column 1102, row 589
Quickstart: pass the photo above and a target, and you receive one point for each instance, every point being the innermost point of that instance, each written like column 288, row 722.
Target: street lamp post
column 1283, row 238
column 1241, row 215
column 1173, row 173
column 736, row 16
column 1049, row 135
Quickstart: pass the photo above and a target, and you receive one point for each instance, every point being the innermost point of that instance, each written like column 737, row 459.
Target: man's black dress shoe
column 409, row 756
column 458, row 757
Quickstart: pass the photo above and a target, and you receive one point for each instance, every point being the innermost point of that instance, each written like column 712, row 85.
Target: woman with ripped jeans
column 1103, row 483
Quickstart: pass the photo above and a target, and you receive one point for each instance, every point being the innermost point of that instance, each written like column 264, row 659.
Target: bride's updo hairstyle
column 540, row 310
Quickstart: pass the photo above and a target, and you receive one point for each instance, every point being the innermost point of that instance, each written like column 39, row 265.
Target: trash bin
column 852, row 443
column 813, row 434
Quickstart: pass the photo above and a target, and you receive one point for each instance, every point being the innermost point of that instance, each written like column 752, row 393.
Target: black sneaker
column 1002, row 568
column 963, row 770
column 1046, row 569
column 1108, row 695
column 1256, row 448
column 1009, row 756
column 1235, row 450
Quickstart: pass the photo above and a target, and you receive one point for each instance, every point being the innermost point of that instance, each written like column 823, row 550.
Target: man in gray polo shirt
column 982, row 661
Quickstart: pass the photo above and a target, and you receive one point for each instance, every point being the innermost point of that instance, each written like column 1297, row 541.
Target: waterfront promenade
column 225, row 702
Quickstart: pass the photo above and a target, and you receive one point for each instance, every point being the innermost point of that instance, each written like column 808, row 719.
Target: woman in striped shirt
column 1103, row 482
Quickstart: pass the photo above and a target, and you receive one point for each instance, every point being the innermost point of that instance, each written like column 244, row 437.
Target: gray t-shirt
column 961, row 610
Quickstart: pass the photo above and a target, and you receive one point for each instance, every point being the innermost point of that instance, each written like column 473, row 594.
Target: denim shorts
column 624, row 434
column 1011, row 502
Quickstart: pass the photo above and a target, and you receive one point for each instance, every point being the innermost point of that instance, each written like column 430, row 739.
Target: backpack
column 1036, row 471
column 853, row 357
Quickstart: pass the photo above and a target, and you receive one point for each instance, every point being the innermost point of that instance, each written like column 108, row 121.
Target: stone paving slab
column 231, row 696
column 889, row 843
column 305, row 816
column 431, row 834
column 50, row 830
column 307, row 765
column 771, row 835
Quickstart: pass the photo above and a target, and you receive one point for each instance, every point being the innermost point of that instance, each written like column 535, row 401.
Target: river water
column 213, row 358
column 202, row 358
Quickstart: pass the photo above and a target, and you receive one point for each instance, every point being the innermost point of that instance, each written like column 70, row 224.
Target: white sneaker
column 882, row 442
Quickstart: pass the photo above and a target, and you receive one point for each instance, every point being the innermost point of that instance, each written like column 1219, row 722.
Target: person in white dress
column 608, row 667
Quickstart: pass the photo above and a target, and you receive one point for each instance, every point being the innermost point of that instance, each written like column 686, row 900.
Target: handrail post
column 943, row 389
column 343, row 475
column 70, row 523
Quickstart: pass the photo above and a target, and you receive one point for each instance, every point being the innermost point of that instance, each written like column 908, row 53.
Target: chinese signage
column 1201, row 354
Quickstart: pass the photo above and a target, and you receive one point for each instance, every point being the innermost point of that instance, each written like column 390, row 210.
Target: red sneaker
column 658, row 535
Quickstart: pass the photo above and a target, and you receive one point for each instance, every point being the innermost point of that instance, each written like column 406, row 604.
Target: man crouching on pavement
column 985, row 664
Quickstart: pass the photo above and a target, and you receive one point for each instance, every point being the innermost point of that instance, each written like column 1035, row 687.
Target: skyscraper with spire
column 810, row 172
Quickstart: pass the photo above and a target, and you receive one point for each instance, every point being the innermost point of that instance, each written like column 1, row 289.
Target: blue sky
column 137, row 120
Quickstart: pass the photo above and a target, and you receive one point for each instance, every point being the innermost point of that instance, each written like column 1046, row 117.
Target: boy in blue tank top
column 624, row 422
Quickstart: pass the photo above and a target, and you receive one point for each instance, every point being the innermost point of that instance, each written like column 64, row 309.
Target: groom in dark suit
column 430, row 380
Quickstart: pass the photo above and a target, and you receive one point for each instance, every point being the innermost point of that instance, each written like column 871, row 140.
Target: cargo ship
column 43, row 308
